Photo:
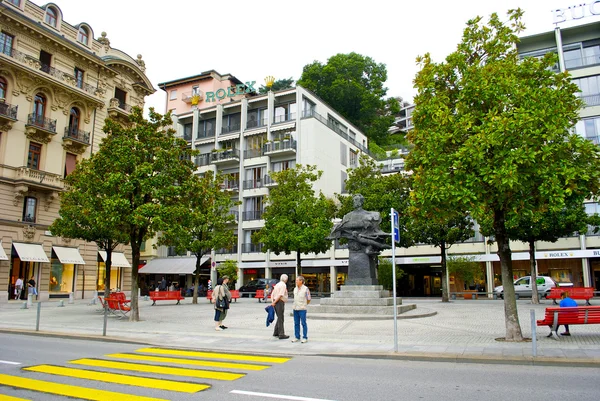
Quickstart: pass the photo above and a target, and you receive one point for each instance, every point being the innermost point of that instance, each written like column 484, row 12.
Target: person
column 31, row 286
column 301, row 300
column 221, row 292
column 279, row 297
column 18, row 287
column 163, row 284
column 566, row 302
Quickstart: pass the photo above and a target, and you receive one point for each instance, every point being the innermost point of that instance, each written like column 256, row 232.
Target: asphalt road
column 78, row 368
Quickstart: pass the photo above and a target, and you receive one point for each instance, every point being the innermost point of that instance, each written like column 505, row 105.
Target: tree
column 354, row 86
column 491, row 130
column 465, row 268
column 229, row 268
column 384, row 273
column 205, row 223
column 278, row 85
column 295, row 219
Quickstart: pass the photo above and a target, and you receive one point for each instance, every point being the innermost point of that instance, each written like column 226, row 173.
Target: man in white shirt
column 301, row 301
column 279, row 297
column 18, row 287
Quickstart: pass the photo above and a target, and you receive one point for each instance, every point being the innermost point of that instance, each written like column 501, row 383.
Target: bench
column 260, row 294
column 586, row 293
column 235, row 295
column 117, row 304
column 555, row 317
column 165, row 296
column 209, row 296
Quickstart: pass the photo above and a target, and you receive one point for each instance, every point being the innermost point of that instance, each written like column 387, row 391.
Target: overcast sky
column 253, row 39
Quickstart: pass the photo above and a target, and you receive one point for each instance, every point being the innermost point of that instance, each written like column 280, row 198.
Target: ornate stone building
column 57, row 86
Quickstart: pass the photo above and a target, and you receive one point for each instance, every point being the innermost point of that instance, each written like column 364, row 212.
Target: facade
column 57, row 86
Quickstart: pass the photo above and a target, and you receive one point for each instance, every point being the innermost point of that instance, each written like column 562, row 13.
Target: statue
column 365, row 242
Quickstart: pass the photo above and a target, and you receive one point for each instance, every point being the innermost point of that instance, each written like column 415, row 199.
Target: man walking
column 301, row 300
column 279, row 297
column 18, row 287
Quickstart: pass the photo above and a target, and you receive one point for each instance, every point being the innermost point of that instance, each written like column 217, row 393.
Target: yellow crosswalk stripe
column 70, row 391
column 194, row 362
column 197, row 373
column 4, row 397
column 214, row 355
column 159, row 384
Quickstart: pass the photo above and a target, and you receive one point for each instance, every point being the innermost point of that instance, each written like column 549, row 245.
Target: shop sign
column 232, row 91
column 577, row 11
column 250, row 271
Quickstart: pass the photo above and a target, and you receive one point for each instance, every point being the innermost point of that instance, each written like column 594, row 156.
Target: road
column 37, row 368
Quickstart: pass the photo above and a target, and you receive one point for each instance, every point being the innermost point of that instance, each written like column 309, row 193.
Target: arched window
column 39, row 108
column 51, row 16
column 74, row 122
column 3, row 88
column 83, row 36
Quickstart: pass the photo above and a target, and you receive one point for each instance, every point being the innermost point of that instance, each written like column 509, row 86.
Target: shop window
column 51, row 17
column 79, row 78
column 115, row 277
column 83, row 36
column 61, row 277
column 29, row 209
column 70, row 163
column 34, row 156
column 6, row 43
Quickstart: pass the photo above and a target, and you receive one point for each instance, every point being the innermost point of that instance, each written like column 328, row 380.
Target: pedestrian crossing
column 170, row 370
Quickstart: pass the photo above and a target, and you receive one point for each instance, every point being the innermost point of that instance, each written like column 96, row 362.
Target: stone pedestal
column 361, row 269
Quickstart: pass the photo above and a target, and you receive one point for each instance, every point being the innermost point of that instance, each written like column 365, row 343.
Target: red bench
column 235, row 294
column 586, row 293
column 165, row 296
column 260, row 294
column 118, row 304
column 209, row 296
column 574, row 315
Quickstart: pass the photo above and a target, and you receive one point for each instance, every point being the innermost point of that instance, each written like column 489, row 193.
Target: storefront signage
column 577, row 11
column 232, row 91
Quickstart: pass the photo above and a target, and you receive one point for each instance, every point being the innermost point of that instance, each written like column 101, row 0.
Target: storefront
column 26, row 260
column 180, row 270
column 118, row 263
column 63, row 271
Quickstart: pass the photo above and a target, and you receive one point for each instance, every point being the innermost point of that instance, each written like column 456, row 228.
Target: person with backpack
column 222, row 299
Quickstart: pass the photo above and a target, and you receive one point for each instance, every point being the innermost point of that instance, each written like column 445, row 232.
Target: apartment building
column 57, row 86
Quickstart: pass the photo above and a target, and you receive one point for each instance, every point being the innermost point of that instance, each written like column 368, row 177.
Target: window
column 3, row 87
column 6, row 43
column 35, row 153
column 29, row 209
column 285, row 112
column 254, row 177
column 187, row 131
column 70, row 163
column 590, row 89
column 589, row 128
column 16, row 3
column 283, row 165
column 82, row 36
column 173, row 95
column 121, row 96
column 45, row 60
column 257, row 118
column 39, row 108
column 353, row 158
column 206, row 128
column 195, row 90
column 231, row 123
column 253, row 208
column 51, row 16
column 78, row 78
column 74, row 122
column 343, row 154
column 344, row 178
column 308, row 108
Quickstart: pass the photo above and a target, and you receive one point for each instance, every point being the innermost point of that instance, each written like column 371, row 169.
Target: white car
column 523, row 287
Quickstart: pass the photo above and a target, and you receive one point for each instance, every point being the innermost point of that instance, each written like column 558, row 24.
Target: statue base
column 361, row 268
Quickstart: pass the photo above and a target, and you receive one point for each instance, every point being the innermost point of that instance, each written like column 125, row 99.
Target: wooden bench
column 586, row 293
column 165, row 296
column 555, row 317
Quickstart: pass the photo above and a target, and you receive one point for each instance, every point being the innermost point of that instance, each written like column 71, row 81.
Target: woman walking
column 221, row 298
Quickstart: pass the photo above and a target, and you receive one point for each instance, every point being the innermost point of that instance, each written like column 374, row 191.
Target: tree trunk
column 134, row 314
column 197, row 281
column 445, row 289
column 299, row 263
column 535, row 297
column 511, row 317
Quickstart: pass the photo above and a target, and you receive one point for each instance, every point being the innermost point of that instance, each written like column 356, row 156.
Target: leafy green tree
column 278, row 85
column 354, row 86
column 295, row 219
column 491, row 130
column 384, row 273
column 229, row 268
column 465, row 268
column 204, row 223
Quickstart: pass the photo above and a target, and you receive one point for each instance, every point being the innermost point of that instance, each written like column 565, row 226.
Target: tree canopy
column 491, row 131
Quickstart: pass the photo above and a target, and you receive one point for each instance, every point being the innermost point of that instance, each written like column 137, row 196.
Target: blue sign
column 395, row 227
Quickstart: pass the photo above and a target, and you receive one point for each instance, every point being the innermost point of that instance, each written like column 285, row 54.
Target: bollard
column 29, row 300
column 533, row 334
column 24, row 306
column 61, row 303
column 146, row 298
column 71, row 298
column 37, row 320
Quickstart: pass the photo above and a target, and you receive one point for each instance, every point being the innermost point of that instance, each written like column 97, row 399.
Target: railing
column 202, row 160
column 77, row 134
column 388, row 169
column 256, row 124
column 591, row 100
column 235, row 214
column 187, row 137
column 8, row 110
column 583, row 61
column 252, row 215
column 278, row 146
column 226, row 129
column 42, row 122
column 28, row 219
column 231, row 185
column 230, row 154
column 268, row 180
column 250, row 153
column 206, row 134
column 284, row 118
column 222, row 251
column 124, row 106
column 252, row 184
column 252, row 248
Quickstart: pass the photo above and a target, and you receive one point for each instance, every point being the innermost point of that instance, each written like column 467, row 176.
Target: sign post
column 395, row 238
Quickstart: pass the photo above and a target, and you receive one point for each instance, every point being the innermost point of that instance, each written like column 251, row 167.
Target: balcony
column 582, row 62
column 202, row 160
column 256, row 123
column 252, row 215
column 251, row 153
column 118, row 109
column 38, row 179
column 206, row 134
column 8, row 115
column 269, row 181
column 192, row 98
column 76, row 140
column 253, row 184
column 591, row 100
column 232, row 185
column 225, row 156
column 235, row 214
column 287, row 146
column 39, row 128
column 224, row 251
column 285, row 118
column 252, row 248
column 229, row 129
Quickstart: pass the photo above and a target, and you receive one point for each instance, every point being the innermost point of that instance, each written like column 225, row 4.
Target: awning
column 254, row 131
column 172, row 265
column 118, row 259
column 30, row 252
column 68, row 256
column 280, row 127
column 2, row 253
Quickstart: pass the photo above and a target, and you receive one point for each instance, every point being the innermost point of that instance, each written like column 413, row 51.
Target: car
column 250, row 288
column 523, row 287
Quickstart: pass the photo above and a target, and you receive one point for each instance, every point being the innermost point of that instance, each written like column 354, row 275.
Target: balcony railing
column 591, row 100
column 77, row 135
column 202, row 160
column 42, row 122
column 232, row 185
column 235, row 214
column 226, row 129
column 253, row 184
column 582, row 62
column 282, row 119
column 279, row 146
column 252, row 215
column 222, row 251
column 206, row 134
column 8, row 110
column 252, row 248
column 250, row 153
column 229, row 154
column 124, row 106
column 268, row 180
column 256, row 123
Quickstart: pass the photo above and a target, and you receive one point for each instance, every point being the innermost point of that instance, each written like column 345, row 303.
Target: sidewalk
column 461, row 330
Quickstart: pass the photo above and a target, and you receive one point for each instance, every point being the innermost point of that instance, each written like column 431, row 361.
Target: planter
column 470, row 294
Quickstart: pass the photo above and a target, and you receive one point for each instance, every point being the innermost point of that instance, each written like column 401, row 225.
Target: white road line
column 281, row 397
column 10, row 363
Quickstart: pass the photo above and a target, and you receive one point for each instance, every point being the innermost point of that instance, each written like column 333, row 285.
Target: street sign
column 395, row 228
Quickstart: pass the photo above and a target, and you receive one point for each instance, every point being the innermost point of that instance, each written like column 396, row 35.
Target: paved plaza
column 461, row 330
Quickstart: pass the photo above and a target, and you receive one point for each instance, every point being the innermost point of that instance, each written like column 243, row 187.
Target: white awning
column 172, row 265
column 279, row 127
column 118, row 259
column 68, row 256
column 255, row 131
column 2, row 253
column 30, row 252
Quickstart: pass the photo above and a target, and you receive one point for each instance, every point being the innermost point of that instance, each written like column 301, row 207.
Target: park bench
column 260, row 294
column 165, row 296
column 555, row 317
column 118, row 304
column 586, row 293
column 209, row 296
column 235, row 294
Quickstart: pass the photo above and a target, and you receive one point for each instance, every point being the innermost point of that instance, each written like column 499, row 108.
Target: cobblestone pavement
column 459, row 330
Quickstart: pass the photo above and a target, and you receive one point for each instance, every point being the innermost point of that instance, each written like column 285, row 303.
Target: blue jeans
column 300, row 317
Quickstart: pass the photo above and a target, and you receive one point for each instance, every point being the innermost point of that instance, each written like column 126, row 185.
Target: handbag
column 222, row 303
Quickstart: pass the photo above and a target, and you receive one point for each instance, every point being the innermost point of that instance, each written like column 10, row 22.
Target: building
column 57, row 86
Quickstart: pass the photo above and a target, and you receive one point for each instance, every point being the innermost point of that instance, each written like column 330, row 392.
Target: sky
column 256, row 38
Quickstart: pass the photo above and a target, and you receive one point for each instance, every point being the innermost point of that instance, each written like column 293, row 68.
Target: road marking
column 214, row 355
column 10, row 363
column 169, row 385
column 195, row 362
column 9, row 398
column 279, row 396
column 70, row 391
column 197, row 373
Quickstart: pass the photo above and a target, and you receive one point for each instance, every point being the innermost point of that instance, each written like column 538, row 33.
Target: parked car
column 523, row 287
column 249, row 290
